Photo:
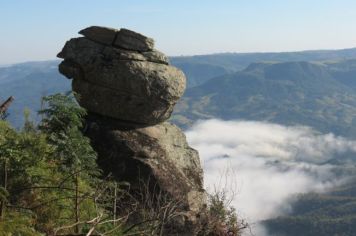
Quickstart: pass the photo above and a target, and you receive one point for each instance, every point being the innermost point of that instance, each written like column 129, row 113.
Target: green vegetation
column 49, row 178
column 221, row 216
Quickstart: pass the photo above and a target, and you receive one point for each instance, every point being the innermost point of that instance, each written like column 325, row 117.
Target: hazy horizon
column 194, row 55
column 37, row 30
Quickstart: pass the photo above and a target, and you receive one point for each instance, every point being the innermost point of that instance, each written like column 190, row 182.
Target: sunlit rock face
column 118, row 74
column 129, row 90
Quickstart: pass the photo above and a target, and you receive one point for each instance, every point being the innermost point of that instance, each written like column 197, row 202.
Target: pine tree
column 49, row 179
column 62, row 122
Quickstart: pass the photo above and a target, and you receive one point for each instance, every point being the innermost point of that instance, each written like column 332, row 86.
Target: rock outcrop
column 129, row 90
column 118, row 74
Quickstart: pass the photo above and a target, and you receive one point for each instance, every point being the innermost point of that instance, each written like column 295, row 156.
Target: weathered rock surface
column 158, row 152
column 129, row 90
column 119, row 83
column 122, row 38
column 163, row 148
column 99, row 34
column 133, row 41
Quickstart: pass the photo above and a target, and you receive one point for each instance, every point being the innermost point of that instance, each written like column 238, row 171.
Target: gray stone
column 128, row 86
column 70, row 69
column 123, row 54
column 120, row 104
column 75, row 48
column 123, row 38
column 100, row 34
column 156, row 56
column 131, row 40
column 159, row 153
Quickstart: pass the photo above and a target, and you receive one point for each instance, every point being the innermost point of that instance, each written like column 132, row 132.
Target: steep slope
column 286, row 93
column 344, row 71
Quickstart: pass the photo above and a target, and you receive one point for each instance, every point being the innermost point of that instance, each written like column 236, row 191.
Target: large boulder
column 160, row 153
column 132, row 85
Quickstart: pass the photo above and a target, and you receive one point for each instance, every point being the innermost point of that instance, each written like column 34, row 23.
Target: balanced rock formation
column 118, row 74
column 129, row 90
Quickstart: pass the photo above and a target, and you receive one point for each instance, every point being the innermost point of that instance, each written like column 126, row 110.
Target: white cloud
column 269, row 162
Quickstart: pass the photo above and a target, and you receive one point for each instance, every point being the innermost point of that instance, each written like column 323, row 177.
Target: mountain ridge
column 288, row 93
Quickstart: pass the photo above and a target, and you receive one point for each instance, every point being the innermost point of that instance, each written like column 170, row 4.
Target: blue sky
column 37, row 29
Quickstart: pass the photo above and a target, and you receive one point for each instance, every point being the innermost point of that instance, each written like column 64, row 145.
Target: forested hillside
column 287, row 93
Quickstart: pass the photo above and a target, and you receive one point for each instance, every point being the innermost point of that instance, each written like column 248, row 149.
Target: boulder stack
column 129, row 90
column 118, row 74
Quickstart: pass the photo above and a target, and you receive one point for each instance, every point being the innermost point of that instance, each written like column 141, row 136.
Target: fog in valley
column 265, row 165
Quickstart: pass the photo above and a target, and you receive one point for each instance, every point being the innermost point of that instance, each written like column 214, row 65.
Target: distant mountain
column 28, row 82
column 238, row 61
column 201, row 68
column 286, row 93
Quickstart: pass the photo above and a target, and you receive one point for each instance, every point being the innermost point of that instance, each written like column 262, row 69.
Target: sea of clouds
column 266, row 164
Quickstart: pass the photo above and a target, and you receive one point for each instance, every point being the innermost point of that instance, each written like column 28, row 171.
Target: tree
column 62, row 122
column 49, row 180
column 60, row 114
column 8, row 157
column 4, row 107
column 19, row 154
